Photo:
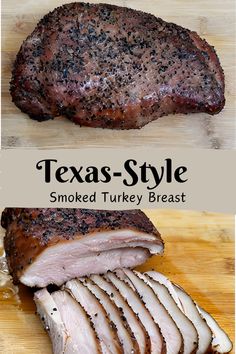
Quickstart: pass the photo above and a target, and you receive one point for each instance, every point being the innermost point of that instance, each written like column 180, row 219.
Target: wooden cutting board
column 212, row 19
column 199, row 255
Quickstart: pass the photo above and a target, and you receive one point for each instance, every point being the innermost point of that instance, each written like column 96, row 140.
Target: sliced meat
column 158, row 344
column 52, row 321
column 186, row 327
column 79, row 328
column 102, row 324
column 220, row 342
column 169, row 330
column 135, row 325
column 162, row 279
column 112, row 67
column 118, row 319
column 127, row 312
column 46, row 245
column 190, row 310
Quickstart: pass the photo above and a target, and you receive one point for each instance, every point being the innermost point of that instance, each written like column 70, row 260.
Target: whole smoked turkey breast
column 113, row 67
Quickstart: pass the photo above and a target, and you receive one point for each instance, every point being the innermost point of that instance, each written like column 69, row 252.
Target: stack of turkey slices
column 120, row 311
column 127, row 312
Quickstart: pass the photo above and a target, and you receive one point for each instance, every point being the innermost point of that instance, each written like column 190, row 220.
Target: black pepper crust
column 30, row 230
column 107, row 66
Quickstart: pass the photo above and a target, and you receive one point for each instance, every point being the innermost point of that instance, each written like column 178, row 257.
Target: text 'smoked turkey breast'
column 50, row 246
column 107, row 66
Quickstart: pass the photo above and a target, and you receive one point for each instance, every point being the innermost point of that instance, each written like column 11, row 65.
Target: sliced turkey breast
column 158, row 344
column 190, row 310
column 46, row 245
column 79, row 328
column 102, row 324
column 220, row 342
column 162, row 279
column 134, row 323
column 98, row 315
column 52, row 321
column 186, row 327
column 124, row 333
column 169, row 330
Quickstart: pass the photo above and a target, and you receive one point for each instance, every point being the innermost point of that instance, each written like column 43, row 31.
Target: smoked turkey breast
column 113, row 67
column 50, row 246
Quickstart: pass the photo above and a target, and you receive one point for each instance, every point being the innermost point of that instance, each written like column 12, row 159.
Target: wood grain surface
column 212, row 19
column 199, row 255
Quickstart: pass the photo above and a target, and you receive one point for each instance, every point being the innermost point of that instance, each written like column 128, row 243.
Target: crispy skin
column 29, row 231
column 113, row 67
